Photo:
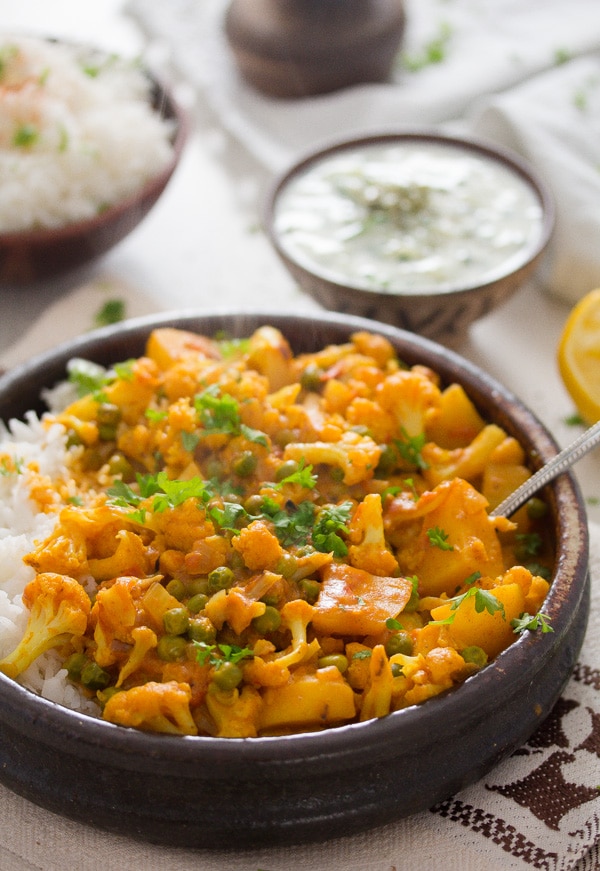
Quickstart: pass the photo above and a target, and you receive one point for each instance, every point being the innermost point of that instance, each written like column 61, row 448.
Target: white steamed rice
column 72, row 142
column 22, row 527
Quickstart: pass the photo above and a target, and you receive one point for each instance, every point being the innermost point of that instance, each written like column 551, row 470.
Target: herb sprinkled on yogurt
column 411, row 217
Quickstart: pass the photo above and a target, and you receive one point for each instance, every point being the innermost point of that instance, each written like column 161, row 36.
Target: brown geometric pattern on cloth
column 544, row 779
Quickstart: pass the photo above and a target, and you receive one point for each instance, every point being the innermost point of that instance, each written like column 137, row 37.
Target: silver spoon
column 560, row 463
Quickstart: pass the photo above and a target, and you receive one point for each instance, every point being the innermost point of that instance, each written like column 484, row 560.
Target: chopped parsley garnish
column 87, row 377
column 303, row 476
column 228, row 516
column 189, row 440
column 167, row 494
column 25, row 136
column 438, row 538
column 484, row 601
column 217, row 654
column 410, row 447
column 529, row 543
column 124, row 370
column 434, row 51
column 218, row 414
column 291, row 527
column 154, row 415
column 527, row 622
column 392, row 624
column 331, row 521
column 111, row 312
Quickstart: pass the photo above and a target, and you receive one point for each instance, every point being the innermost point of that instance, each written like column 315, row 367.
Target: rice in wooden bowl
column 89, row 141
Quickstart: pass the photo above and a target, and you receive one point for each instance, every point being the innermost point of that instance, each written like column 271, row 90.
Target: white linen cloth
column 525, row 75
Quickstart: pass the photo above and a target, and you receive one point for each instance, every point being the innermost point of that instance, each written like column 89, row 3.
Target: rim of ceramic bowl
column 485, row 148
column 332, row 747
column 164, row 103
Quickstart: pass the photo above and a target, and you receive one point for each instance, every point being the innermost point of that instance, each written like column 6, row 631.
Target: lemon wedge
column 579, row 356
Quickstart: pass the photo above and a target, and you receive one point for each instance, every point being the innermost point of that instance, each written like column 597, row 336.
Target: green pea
column 536, row 508
column 338, row 659
column 197, row 603
column 244, row 464
column 176, row 621
column 94, row 677
column 474, row 655
column 221, row 578
column 312, row 377
column 399, row 642
column 336, row 474
column 171, row 648
column 284, row 436
column 107, row 433
column 269, row 621
column 104, row 695
column 108, row 414
column 388, row 462
column 290, row 467
column 214, row 469
column 73, row 438
column 227, row 676
column 287, row 565
column 254, row 504
column 94, row 458
column 75, row 664
column 197, row 585
column 309, row 590
column 201, row 629
column 120, row 465
column 176, row 588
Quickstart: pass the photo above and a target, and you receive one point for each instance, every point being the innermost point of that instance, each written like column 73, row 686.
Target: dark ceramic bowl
column 438, row 312
column 215, row 792
column 33, row 255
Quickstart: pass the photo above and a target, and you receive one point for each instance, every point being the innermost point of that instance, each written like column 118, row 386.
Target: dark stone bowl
column 30, row 256
column 439, row 314
column 212, row 792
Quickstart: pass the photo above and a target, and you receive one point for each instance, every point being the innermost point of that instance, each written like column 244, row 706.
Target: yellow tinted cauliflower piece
column 59, row 609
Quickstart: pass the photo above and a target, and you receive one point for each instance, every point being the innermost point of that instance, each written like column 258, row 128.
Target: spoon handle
column 560, row 463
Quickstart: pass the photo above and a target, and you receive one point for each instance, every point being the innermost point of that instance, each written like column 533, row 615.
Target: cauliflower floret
column 235, row 713
column 378, row 696
column 296, row 615
column 59, row 610
column 408, row 396
column 234, row 607
column 153, row 707
column 356, row 455
column 258, row 546
column 369, row 550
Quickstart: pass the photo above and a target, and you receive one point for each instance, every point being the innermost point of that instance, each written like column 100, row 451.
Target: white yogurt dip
column 409, row 217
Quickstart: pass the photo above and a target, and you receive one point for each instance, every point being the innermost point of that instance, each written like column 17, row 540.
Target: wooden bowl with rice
column 202, row 790
column 89, row 143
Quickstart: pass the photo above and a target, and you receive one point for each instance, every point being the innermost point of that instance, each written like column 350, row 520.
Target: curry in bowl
column 233, row 540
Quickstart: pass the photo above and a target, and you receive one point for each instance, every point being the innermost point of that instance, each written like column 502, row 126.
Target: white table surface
column 202, row 248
